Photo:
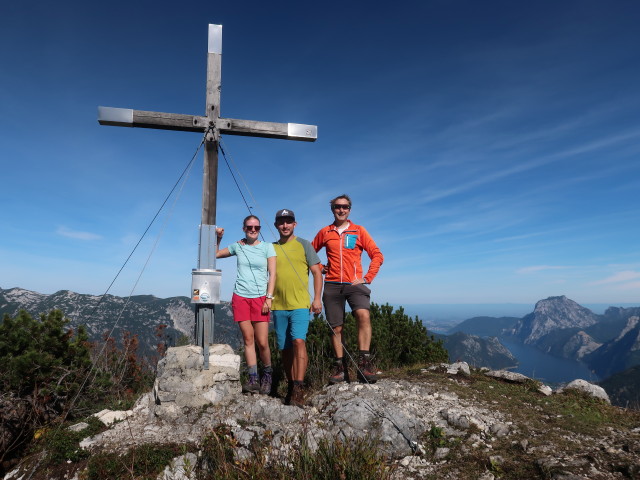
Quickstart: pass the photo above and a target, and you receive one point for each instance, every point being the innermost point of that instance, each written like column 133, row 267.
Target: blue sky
column 490, row 148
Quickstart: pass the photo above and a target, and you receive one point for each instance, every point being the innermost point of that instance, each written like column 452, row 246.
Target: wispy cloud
column 539, row 161
column 540, row 268
column 67, row 232
column 630, row 286
column 619, row 277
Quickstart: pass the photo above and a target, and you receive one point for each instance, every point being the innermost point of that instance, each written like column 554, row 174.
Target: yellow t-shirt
column 292, row 274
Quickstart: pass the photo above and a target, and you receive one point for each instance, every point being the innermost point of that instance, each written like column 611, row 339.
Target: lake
column 547, row 368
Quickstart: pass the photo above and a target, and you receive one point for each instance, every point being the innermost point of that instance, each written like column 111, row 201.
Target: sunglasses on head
column 338, row 206
column 252, row 227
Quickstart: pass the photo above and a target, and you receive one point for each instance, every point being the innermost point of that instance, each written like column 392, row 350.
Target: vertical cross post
column 205, row 313
column 206, row 279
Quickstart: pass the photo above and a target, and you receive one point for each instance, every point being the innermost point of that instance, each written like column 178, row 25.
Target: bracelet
column 269, row 296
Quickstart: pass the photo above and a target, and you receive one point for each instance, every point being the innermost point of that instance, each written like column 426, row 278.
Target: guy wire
column 185, row 175
column 84, row 382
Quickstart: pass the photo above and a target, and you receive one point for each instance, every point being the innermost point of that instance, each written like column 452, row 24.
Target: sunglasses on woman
column 252, row 227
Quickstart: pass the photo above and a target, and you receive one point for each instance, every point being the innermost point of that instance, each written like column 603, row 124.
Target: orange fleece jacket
column 344, row 253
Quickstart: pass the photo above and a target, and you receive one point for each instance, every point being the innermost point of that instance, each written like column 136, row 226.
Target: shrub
column 41, row 360
column 48, row 375
column 43, row 368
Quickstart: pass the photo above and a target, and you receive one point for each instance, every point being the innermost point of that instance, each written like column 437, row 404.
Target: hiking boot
column 265, row 383
column 367, row 372
column 297, row 396
column 287, row 398
column 252, row 385
column 337, row 375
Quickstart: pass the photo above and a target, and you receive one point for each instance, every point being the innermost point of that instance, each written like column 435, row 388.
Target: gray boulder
column 589, row 388
column 182, row 381
column 508, row 376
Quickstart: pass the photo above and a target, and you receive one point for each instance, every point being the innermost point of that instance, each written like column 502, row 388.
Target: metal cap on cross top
column 206, row 279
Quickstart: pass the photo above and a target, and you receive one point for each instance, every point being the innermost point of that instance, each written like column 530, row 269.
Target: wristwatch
column 268, row 295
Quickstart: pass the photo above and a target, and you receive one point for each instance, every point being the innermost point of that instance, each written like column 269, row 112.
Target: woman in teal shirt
column 252, row 296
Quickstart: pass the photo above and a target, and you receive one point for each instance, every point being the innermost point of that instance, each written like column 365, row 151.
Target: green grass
column 145, row 462
column 61, row 444
column 353, row 460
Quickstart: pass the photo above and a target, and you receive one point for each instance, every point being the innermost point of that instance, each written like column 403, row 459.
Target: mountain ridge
column 139, row 314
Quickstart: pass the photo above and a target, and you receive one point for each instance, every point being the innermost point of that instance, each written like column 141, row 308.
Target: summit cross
column 205, row 286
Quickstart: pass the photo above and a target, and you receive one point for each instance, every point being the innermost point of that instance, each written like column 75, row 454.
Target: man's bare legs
column 363, row 321
column 365, row 366
column 296, row 360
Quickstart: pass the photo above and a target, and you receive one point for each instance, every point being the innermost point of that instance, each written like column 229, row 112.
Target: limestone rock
column 459, row 367
column 546, row 390
column 590, row 388
column 78, row 427
column 507, row 375
column 181, row 468
column 182, row 381
column 441, row 453
column 464, row 418
column 487, row 476
column 452, row 369
column 109, row 417
column 499, row 429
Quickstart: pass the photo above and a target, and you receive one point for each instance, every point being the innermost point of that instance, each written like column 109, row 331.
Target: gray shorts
column 335, row 296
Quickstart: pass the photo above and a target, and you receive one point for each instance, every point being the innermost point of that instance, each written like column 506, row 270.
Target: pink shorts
column 248, row 309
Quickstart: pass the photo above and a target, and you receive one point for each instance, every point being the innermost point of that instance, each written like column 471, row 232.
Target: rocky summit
column 445, row 422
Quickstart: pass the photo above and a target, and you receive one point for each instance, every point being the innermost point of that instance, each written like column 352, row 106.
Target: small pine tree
column 44, row 365
column 42, row 360
column 48, row 374
column 397, row 341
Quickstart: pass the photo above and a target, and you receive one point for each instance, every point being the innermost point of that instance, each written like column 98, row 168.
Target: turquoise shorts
column 290, row 325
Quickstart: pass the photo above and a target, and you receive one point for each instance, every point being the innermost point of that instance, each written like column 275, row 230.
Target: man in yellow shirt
column 292, row 303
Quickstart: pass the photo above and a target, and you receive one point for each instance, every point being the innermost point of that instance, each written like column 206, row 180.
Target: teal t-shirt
column 252, row 278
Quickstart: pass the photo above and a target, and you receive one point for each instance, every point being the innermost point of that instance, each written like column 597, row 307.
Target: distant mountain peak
column 556, row 303
column 553, row 313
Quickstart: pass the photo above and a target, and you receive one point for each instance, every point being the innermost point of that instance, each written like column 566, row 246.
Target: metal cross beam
column 206, row 279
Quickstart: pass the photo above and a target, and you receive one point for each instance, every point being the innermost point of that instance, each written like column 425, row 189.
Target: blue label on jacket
column 350, row 241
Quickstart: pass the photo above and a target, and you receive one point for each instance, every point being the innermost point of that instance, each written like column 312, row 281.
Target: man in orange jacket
column 344, row 282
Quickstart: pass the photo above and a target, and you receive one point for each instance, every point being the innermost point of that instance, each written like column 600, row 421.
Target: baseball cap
column 285, row 213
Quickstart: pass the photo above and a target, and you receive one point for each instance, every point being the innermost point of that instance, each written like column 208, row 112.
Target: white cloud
column 67, row 232
column 539, row 268
column 630, row 286
column 624, row 276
